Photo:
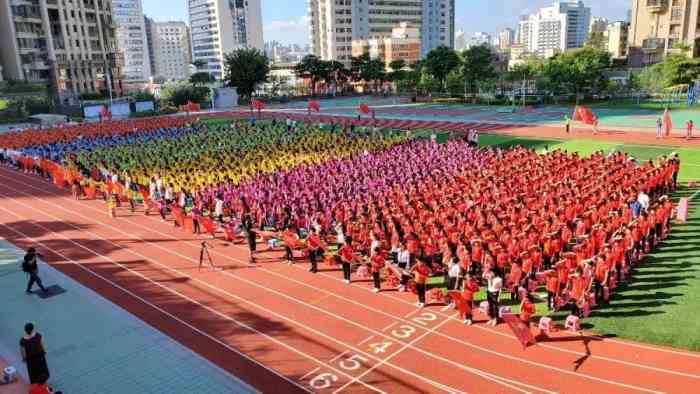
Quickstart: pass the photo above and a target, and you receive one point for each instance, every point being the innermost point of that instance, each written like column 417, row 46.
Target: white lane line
column 338, row 356
column 409, row 303
column 309, row 373
column 369, row 338
column 389, row 326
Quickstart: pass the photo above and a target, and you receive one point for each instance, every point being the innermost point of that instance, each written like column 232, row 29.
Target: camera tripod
column 204, row 252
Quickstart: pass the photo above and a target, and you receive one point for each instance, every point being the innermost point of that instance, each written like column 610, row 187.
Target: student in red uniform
column 578, row 291
column 347, row 257
column 290, row 238
column 314, row 245
column 552, row 286
column 470, row 287
column 600, row 278
column 377, row 262
column 527, row 308
column 420, row 275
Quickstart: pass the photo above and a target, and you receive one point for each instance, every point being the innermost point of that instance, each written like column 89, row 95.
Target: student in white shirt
column 493, row 291
column 404, row 259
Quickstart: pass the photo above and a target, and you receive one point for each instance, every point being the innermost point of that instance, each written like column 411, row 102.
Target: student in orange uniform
column 420, row 275
column 578, row 291
column 290, row 238
column 470, row 287
column 552, row 286
column 314, row 245
column 347, row 257
column 527, row 308
column 377, row 262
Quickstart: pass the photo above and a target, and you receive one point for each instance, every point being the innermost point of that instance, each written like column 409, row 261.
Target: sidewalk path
column 94, row 346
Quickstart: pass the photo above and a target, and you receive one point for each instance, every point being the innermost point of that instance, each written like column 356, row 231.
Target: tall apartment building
column 219, row 27
column 334, row 24
column 131, row 40
column 617, row 36
column 70, row 44
column 656, row 26
column 148, row 24
column 506, row 39
column 171, row 50
column 554, row 29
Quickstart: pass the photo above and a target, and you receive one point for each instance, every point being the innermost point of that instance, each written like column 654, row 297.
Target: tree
column 310, row 67
column 398, row 72
column 440, row 62
column 245, row 69
column 180, row 94
column 143, row 95
column 201, row 78
column 597, row 40
column 477, row 66
column 338, row 74
column 370, row 71
column 582, row 70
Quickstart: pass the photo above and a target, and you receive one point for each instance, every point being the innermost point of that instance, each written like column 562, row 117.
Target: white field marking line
column 166, row 313
column 245, row 301
column 309, row 373
column 369, row 338
column 404, row 347
column 444, row 315
column 697, row 192
column 445, row 308
column 483, row 374
column 389, row 326
column 338, row 356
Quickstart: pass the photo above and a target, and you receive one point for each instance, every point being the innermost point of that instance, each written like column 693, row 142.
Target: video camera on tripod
column 205, row 252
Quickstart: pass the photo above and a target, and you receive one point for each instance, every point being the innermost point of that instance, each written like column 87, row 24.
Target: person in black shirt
column 32, row 269
column 252, row 237
column 33, row 354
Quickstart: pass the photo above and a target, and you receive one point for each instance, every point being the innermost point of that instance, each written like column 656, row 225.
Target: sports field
column 281, row 328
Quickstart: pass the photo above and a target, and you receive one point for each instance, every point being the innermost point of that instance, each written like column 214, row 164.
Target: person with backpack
column 32, row 269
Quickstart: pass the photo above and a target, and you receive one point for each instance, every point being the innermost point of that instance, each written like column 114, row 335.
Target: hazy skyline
column 286, row 21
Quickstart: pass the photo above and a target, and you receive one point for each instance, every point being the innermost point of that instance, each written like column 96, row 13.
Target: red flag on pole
column 519, row 328
column 585, row 115
column 364, row 108
column 668, row 124
column 257, row 104
column 314, row 106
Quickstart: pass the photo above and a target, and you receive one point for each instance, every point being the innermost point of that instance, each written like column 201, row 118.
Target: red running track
column 283, row 329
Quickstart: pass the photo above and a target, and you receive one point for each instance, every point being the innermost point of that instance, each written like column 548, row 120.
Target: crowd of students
column 509, row 220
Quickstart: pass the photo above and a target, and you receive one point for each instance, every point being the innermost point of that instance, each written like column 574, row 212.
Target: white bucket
column 9, row 374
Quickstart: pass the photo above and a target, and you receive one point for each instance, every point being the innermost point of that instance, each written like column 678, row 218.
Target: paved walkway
column 94, row 346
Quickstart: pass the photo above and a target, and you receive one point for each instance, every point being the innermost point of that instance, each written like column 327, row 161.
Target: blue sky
column 285, row 20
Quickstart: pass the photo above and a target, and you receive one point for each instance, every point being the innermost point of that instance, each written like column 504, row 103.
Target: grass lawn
column 659, row 303
column 3, row 104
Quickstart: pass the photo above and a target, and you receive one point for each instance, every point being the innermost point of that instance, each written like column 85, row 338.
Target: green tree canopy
column 581, row 70
column 440, row 62
column 477, row 66
column 201, row 78
column 245, row 69
column 180, row 94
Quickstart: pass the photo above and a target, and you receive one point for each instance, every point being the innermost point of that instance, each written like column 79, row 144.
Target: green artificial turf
column 659, row 303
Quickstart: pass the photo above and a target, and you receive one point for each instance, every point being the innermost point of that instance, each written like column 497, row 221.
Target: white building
column 219, row 27
column 598, row 24
column 555, row 29
column 617, row 35
column 171, row 50
column 479, row 39
column 506, row 39
column 334, row 24
column 460, row 40
column 131, row 40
